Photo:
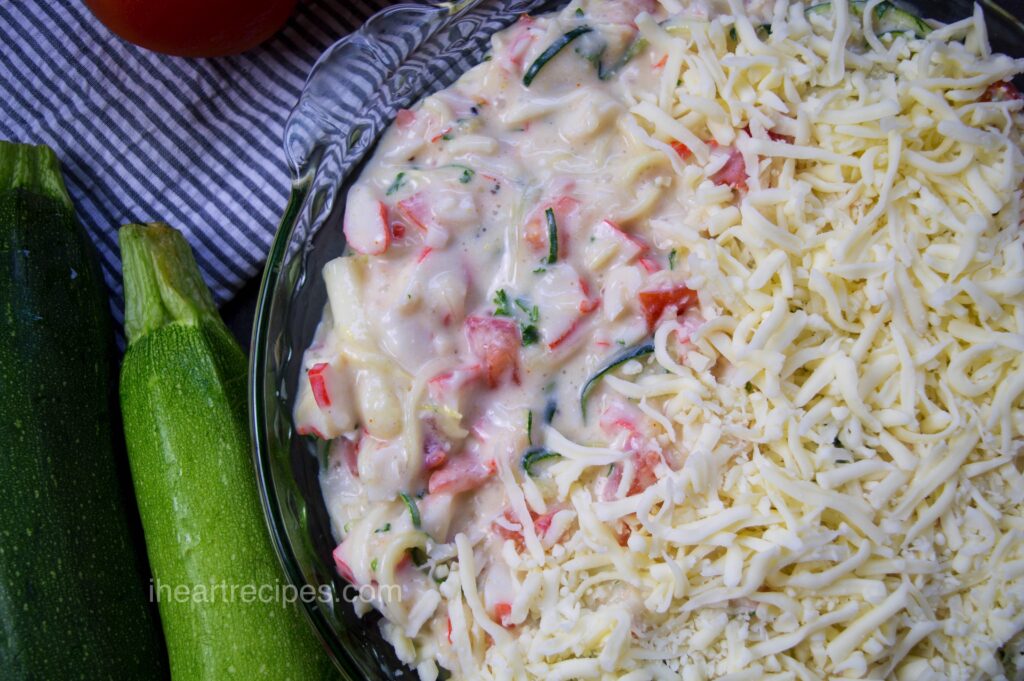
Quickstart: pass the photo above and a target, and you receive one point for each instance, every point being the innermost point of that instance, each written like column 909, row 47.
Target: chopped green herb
column 467, row 172
column 529, row 426
column 579, row 12
column 611, row 469
column 524, row 305
column 552, row 236
column 346, row 528
column 501, row 306
column 530, row 334
column 397, row 184
column 672, row 255
column 414, row 510
column 540, row 270
column 749, row 387
column 534, row 455
column 620, row 341
column 837, row 443
column 386, row 528
column 373, row 564
column 447, row 137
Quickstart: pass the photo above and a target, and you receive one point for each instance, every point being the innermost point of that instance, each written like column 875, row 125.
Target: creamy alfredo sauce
column 521, row 231
column 509, row 243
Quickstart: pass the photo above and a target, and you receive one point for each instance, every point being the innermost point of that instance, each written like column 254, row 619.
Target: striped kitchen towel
column 143, row 136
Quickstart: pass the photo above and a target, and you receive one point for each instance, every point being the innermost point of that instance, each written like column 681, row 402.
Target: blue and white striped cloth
column 144, row 137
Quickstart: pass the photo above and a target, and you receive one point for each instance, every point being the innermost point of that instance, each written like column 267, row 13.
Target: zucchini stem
column 162, row 282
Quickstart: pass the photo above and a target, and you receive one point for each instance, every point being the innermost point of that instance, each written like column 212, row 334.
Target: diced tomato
column 405, row 117
column 397, row 230
column 644, row 475
column 779, row 137
column 503, row 614
column 541, row 524
column 733, row 173
column 416, row 211
column 536, row 232
column 366, row 225
column 1001, row 91
column 654, row 303
column 554, row 345
column 348, row 452
column 495, row 342
column 520, row 44
column 449, row 383
column 461, row 473
column 681, row 149
column 649, row 265
column 343, row 568
column 310, row 430
column 318, row 384
column 661, row 62
column 624, row 533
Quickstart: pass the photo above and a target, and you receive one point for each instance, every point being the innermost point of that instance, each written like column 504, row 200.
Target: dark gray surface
column 238, row 313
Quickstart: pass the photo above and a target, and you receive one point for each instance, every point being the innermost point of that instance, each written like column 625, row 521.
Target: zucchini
column 629, row 353
column 888, row 17
column 72, row 589
column 183, row 388
column 550, row 53
column 535, row 455
column 549, row 214
column 635, row 47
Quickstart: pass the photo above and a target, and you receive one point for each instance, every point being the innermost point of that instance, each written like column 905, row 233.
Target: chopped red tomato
column 416, row 211
column 461, row 473
column 503, row 614
column 733, row 173
column 405, row 117
column 655, row 303
column 366, row 225
column 343, row 568
column 537, row 226
column 555, row 344
column 779, row 137
column 449, row 383
column 318, row 384
column 348, row 452
column 495, row 342
column 541, row 523
column 310, row 430
column 1001, row 91
column 681, row 149
column 520, row 44
column 661, row 62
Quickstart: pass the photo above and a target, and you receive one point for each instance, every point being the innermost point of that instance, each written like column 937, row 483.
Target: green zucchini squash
column 183, row 384
column 73, row 596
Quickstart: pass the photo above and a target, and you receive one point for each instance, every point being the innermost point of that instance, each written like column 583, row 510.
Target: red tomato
column 193, row 28
column 654, row 303
column 1001, row 91
column 733, row 173
column 495, row 342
